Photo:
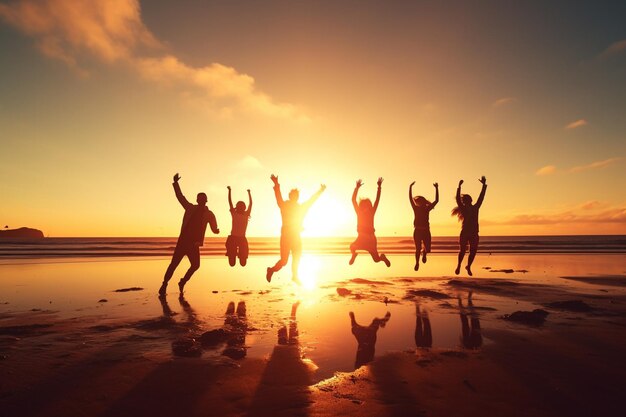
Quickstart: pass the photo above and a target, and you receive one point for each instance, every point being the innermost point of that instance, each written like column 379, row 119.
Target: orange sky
column 103, row 101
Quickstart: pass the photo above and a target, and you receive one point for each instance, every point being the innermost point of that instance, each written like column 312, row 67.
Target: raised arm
column 380, row 183
column 359, row 183
column 434, row 203
column 230, row 199
column 481, row 197
column 277, row 193
column 459, row 203
column 249, row 204
column 179, row 194
column 314, row 197
column 411, row 194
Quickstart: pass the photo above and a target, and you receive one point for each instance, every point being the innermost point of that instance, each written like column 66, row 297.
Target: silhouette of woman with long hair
column 292, row 213
column 366, row 338
column 468, row 213
column 421, row 233
column 366, row 239
column 236, row 243
column 191, row 237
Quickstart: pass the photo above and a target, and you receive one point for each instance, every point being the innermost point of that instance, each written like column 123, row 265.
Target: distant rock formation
column 22, row 233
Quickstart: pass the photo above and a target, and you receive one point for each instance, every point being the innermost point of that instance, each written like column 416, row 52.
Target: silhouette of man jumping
column 191, row 236
column 292, row 214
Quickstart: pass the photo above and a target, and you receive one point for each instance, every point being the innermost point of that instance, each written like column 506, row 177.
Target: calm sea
column 108, row 247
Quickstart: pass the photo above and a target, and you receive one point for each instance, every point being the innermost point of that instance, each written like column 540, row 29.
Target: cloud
column 248, row 163
column 547, row 170
column 592, row 205
column 503, row 101
column 611, row 215
column 595, row 165
column 112, row 32
column 615, row 48
column 576, row 124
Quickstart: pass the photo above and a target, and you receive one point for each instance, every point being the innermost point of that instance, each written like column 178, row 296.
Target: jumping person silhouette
column 366, row 239
column 468, row 213
column 191, row 236
column 292, row 214
column 421, row 233
column 236, row 243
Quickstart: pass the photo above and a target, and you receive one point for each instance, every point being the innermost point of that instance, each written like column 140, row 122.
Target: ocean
column 154, row 246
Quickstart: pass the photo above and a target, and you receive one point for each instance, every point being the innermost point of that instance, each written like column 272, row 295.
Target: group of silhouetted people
column 198, row 216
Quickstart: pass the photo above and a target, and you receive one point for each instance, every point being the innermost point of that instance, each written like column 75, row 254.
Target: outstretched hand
column 483, row 180
column 248, row 190
column 322, row 187
column 359, row 183
column 460, row 183
column 412, row 184
column 274, row 179
column 436, row 185
column 228, row 186
column 380, row 181
column 176, row 177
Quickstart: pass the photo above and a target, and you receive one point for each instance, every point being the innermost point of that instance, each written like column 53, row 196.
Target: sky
column 102, row 101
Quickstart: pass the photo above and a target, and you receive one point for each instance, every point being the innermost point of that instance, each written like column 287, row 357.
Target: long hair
column 466, row 199
column 365, row 206
column 421, row 201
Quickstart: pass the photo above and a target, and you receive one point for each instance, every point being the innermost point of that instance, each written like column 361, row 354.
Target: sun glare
column 328, row 217
column 308, row 271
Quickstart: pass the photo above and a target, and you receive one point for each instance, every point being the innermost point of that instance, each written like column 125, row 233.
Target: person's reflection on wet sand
column 471, row 336
column 423, row 331
column 236, row 322
column 366, row 338
column 284, row 386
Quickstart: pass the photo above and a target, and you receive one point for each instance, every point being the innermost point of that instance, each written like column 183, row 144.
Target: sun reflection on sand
column 310, row 266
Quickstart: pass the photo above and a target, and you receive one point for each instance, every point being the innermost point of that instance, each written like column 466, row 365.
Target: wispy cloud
column 610, row 215
column 547, row 170
column 576, row 124
column 112, row 32
column 503, row 101
column 615, row 48
column 595, row 165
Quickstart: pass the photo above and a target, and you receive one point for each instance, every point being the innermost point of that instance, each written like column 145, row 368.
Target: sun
column 308, row 271
column 329, row 217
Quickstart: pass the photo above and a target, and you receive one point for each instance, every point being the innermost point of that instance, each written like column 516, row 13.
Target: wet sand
column 71, row 345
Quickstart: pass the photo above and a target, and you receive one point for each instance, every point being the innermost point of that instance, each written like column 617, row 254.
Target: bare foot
column 268, row 275
column 352, row 259
column 457, row 270
column 424, row 258
column 385, row 260
column 181, row 287
column 469, row 271
column 417, row 266
column 296, row 280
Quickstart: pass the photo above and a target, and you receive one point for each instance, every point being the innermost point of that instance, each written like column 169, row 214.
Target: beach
column 89, row 336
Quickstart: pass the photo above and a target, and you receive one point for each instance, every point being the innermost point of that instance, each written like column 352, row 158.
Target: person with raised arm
column 468, row 214
column 292, row 213
column 366, row 239
column 421, row 233
column 191, row 237
column 236, row 242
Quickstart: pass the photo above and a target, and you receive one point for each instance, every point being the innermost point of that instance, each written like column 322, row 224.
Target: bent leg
column 473, row 243
column 176, row 258
column 194, row 259
column 462, row 249
column 418, row 249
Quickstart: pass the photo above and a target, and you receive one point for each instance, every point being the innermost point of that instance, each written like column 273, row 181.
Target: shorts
column 237, row 246
column 471, row 238
column 422, row 235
